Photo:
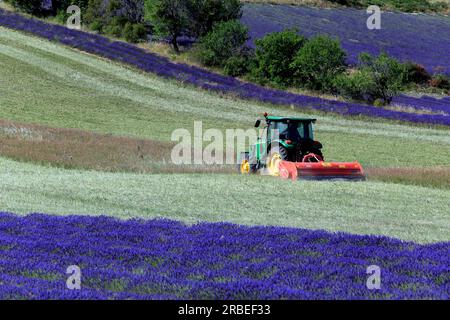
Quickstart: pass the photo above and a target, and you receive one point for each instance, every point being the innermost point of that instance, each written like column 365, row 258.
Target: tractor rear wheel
column 275, row 155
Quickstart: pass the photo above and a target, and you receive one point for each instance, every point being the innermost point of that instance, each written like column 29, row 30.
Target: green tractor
column 286, row 148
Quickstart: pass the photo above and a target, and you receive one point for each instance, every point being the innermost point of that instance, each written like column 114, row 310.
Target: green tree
column 274, row 55
column 356, row 85
column 168, row 17
column 377, row 79
column 318, row 62
column 203, row 14
column 388, row 75
column 224, row 41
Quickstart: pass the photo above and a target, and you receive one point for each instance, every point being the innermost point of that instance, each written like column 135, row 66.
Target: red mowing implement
column 320, row 170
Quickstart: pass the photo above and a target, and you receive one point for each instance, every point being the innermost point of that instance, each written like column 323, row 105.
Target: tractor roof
column 274, row 118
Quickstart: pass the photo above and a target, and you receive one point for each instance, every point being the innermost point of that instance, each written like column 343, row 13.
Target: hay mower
column 286, row 148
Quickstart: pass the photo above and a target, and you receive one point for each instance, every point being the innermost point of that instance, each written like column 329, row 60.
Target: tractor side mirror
column 257, row 123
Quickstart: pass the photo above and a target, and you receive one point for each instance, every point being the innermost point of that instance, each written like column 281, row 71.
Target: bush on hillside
column 96, row 12
column 388, row 75
column 440, row 81
column 416, row 73
column 239, row 64
column 318, row 62
column 116, row 26
column 356, row 85
column 134, row 32
column 273, row 57
column 378, row 78
column 224, row 41
column 196, row 18
column 120, row 18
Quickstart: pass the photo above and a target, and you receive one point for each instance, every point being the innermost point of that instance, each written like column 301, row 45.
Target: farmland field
column 370, row 207
column 97, row 101
column 86, row 141
column 154, row 108
column 150, row 62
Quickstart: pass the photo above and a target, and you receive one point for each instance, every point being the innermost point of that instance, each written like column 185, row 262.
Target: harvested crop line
column 164, row 259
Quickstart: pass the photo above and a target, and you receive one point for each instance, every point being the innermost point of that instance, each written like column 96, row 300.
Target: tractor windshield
column 293, row 130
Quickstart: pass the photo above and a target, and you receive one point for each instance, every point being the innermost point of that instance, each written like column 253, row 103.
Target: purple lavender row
column 420, row 38
column 164, row 259
column 424, row 103
column 199, row 77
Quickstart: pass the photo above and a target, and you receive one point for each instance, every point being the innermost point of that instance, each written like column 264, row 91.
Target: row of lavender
column 163, row 259
column 137, row 57
column 420, row 38
column 424, row 103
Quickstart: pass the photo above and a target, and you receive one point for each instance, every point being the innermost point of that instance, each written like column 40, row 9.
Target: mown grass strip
column 407, row 212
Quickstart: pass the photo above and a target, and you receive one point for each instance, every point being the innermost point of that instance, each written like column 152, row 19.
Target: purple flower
column 164, row 259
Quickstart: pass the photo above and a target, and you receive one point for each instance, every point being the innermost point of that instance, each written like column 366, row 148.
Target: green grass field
column 406, row 212
column 46, row 84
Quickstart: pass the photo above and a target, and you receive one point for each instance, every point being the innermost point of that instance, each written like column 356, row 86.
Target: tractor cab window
column 292, row 130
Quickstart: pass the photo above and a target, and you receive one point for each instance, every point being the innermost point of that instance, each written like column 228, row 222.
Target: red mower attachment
column 321, row 170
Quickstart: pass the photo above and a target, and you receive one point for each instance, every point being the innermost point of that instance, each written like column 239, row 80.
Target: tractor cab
column 290, row 136
column 290, row 129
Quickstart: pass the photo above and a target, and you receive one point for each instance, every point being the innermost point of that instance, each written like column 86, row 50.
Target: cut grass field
column 64, row 108
column 406, row 212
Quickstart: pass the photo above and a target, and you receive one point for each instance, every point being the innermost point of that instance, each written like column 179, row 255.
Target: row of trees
column 287, row 59
column 134, row 19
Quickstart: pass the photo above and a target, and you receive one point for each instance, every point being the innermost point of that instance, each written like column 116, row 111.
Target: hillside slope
column 153, row 63
column 48, row 84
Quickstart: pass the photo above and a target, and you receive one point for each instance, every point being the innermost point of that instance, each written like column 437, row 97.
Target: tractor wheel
column 244, row 166
column 275, row 155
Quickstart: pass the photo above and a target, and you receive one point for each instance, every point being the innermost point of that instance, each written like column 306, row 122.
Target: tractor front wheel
column 275, row 155
column 244, row 166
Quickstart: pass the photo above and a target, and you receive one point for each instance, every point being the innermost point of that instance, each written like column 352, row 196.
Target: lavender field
column 164, row 259
column 88, row 180
column 137, row 57
column 424, row 103
column 416, row 37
